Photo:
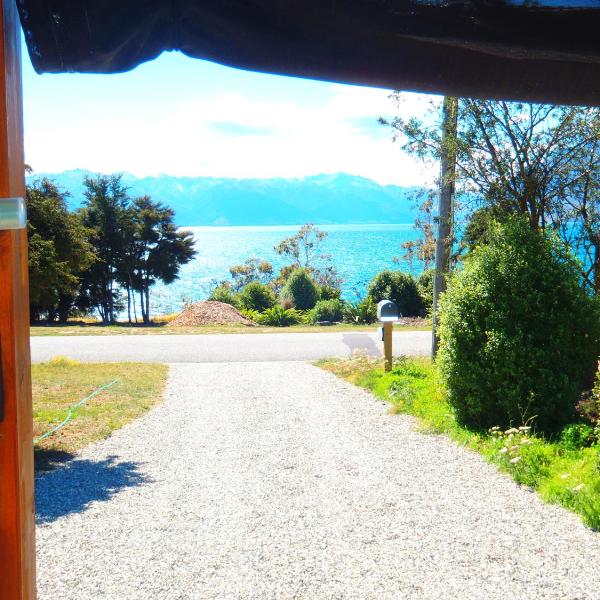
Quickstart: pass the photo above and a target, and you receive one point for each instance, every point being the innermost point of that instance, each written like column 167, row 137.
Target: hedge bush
column 328, row 292
column 256, row 296
column 328, row 310
column 223, row 293
column 519, row 335
column 301, row 290
column 399, row 287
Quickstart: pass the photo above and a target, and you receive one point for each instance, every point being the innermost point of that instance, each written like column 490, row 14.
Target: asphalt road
column 225, row 347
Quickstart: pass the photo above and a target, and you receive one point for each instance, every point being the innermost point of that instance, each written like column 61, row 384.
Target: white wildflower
column 515, row 460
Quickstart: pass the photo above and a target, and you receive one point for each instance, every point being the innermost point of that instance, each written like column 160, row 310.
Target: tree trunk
column 128, row 304
column 147, row 291
column 443, row 248
column 142, row 305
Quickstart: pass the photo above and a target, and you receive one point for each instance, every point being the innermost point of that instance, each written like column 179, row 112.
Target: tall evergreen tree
column 159, row 249
column 58, row 252
column 105, row 214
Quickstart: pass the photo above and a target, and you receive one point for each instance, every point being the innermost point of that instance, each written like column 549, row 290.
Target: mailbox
column 387, row 311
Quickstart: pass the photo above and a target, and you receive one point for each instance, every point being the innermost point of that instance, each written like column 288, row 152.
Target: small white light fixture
column 12, row 213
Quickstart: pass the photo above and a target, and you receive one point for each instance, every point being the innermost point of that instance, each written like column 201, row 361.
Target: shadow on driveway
column 361, row 341
column 73, row 487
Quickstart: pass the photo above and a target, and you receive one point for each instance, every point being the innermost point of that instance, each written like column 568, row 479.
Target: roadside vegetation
column 62, row 382
column 81, row 328
column 307, row 291
column 516, row 377
column 563, row 468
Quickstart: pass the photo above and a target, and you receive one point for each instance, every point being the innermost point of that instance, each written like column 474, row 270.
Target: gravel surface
column 225, row 347
column 280, row 481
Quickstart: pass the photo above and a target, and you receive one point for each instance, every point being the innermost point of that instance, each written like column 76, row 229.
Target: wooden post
column 17, row 526
column 388, row 333
column 443, row 248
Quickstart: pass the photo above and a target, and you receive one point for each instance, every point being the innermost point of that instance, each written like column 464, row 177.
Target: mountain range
column 338, row 198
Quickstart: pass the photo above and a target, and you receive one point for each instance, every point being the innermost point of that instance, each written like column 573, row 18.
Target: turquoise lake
column 357, row 251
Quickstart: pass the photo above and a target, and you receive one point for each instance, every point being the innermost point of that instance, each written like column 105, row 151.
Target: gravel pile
column 209, row 313
column 277, row 480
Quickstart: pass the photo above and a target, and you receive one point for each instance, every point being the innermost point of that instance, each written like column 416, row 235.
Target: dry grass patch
column 61, row 382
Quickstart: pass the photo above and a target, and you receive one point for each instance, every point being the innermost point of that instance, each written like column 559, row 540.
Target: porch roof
column 546, row 50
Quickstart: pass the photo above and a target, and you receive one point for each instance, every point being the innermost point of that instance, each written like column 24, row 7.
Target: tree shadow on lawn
column 72, row 488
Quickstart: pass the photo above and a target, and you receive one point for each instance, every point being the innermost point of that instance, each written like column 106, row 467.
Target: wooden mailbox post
column 17, row 528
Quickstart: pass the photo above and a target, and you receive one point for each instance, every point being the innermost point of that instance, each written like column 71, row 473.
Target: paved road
column 224, row 347
column 277, row 480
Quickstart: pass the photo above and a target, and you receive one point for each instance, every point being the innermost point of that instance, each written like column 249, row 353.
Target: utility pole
column 443, row 248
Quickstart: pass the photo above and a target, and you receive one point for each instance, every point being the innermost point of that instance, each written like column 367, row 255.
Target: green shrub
column 257, row 296
column 224, row 293
column 519, row 335
column 278, row 316
column 425, row 289
column 364, row 311
column 328, row 292
column 301, row 290
column 327, row 310
column 399, row 287
column 577, row 436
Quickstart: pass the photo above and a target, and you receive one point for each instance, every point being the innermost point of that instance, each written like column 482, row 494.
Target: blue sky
column 181, row 116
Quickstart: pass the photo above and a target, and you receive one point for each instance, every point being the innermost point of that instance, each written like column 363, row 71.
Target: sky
column 188, row 117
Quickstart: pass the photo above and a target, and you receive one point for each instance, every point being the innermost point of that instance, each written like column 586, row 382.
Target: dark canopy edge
column 489, row 49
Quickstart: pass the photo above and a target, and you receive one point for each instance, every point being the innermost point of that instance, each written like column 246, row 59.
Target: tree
column 253, row 269
column 58, row 252
column 304, row 250
column 531, row 159
column 105, row 214
column 302, row 247
column 160, row 249
column 421, row 249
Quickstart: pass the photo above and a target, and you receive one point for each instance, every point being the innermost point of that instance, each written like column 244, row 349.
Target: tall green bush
column 301, row 290
column 256, row 296
column 399, row 287
column 224, row 293
column 328, row 310
column 519, row 335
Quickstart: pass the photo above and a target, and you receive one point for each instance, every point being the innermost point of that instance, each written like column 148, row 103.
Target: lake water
column 358, row 252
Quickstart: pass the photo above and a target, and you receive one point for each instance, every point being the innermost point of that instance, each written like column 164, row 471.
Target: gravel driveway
column 277, row 480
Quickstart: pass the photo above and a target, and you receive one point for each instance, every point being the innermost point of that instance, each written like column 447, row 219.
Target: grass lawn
column 161, row 329
column 62, row 382
column 559, row 472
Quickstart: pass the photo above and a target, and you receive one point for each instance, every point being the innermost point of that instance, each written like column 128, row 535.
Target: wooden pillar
column 388, row 336
column 17, row 527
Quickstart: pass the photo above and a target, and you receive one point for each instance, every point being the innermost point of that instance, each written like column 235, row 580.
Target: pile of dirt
column 209, row 313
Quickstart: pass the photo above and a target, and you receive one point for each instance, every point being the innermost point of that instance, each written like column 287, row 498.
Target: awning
column 546, row 50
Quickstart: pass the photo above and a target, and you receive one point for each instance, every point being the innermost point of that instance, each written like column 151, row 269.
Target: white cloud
column 230, row 135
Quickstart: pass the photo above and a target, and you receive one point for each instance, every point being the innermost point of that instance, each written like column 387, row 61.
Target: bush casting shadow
column 361, row 341
column 47, row 459
column 72, row 488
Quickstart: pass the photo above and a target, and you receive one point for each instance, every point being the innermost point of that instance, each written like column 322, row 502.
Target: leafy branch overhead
column 540, row 161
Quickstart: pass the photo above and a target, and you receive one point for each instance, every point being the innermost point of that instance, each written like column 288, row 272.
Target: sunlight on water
column 358, row 252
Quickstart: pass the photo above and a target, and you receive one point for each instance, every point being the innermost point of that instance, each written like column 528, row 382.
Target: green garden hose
column 72, row 409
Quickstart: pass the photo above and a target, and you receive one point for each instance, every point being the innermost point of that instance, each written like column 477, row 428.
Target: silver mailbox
column 387, row 311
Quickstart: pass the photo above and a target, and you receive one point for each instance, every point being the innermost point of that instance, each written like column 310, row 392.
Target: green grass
column 569, row 477
column 161, row 329
column 61, row 382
